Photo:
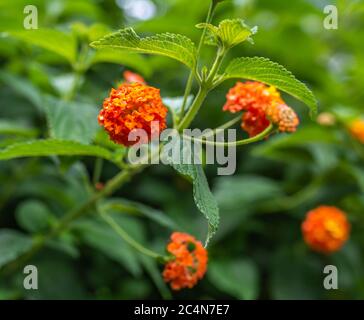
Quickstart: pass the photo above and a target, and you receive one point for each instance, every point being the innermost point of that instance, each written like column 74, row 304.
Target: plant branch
column 97, row 170
column 72, row 215
column 125, row 236
column 223, row 126
column 206, row 86
column 256, row 138
column 229, row 123
column 190, row 115
column 221, row 52
column 210, row 14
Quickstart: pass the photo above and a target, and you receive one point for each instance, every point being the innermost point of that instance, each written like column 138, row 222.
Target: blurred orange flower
column 132, row 106
column 262, row 104
column 326, row 229
column 189, row 261
column 326, row 119
column 132, row 77
column 357, row 129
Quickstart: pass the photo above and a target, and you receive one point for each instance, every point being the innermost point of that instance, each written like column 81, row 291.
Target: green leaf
column 97, row 234
column 97, row 31
column 202, row 195
column 266, row 71
column 170, row 45
column 239, row 278
column 41, row 148
column 134, row 61
column 151, row 267
column 33, row 216
column 138, row 209
column 239, row 196
column 295, row 276
column 6, row 142
column 58, row 278
column 285, row 146
column 12, row 245
column 9, row 294
column 63, row 83
column 74, row 121
column 229, row 33
column 14, row 128
column 91, row 32
column 64, row 246
column 53, row 40
column 24, row 88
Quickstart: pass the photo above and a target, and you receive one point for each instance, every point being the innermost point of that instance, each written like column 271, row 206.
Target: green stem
column 205, row 87
column 190, row 115
column 229, row 123
column 216, row 65
column 242, row 142
column 222, row 127
column 210, row 14
column 113, row 184
column 123, row 208
column 97, row 170
column 125, row 236
column 288, row 203
column 187, row 93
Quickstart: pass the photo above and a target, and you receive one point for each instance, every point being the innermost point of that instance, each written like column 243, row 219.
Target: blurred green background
column 258, row 252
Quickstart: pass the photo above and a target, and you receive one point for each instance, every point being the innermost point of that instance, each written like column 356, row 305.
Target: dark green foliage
column 52, row 86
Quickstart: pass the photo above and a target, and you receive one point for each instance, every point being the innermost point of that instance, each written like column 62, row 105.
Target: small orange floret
column 262, row 104
column 254, row 121
column 189, row 261
column 357, row 129
column 283, row 116
column 133, row 106
column 326, row 229
column 132, row 77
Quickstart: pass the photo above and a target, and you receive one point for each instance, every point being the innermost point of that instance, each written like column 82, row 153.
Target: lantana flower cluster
column 188, row 263
column 326, row 229
column 133, row 106
column 262, row 105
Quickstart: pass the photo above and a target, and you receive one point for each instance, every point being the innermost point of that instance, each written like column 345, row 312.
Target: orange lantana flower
column 132, row 106
column 189, row 261
column 357, row 129
column 326, row 229
column 262, row 104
